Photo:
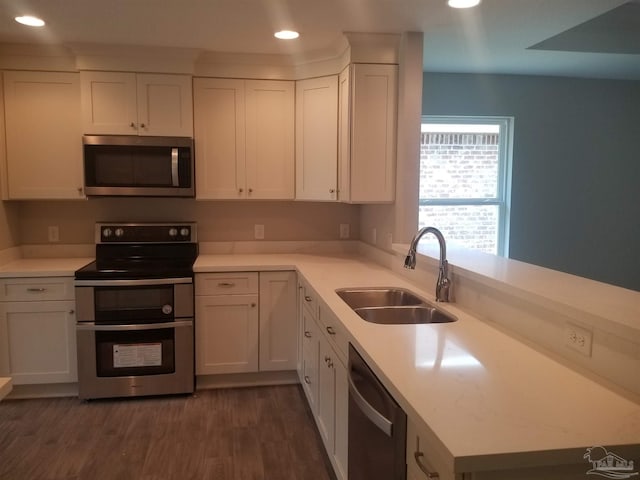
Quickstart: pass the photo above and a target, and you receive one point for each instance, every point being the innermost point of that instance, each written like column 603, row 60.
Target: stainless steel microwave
column 132, row 166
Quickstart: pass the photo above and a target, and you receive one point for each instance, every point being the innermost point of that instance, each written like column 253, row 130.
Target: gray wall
column 576, row 166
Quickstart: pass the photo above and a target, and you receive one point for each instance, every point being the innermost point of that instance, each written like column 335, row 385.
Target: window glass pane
column 459, row 161
column 472, row 226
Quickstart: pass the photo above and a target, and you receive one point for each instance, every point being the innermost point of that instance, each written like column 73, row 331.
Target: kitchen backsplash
column 217, row 221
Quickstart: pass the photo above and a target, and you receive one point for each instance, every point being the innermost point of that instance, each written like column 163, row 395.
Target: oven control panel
column 145, row 232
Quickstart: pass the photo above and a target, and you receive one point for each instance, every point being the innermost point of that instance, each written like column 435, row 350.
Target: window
column 465, row 180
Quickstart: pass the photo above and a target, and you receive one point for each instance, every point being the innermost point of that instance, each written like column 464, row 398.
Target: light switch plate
column 258, row 232
column 344, row 230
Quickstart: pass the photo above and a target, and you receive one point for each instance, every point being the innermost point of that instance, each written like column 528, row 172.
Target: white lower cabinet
column 245, row 322
column 324, row 379
column 37, row 331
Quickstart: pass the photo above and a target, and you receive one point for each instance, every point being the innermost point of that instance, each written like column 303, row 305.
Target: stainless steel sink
column 392, row 306
column 404, row 315
column 378, row 297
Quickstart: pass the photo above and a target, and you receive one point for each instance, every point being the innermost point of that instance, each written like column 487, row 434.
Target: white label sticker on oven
column 137, row 355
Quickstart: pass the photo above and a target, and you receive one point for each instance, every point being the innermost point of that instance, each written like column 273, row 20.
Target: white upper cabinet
column 117, row 103
column 43, row 135
column 367, row 133
column 244, row 136
column 317, row 139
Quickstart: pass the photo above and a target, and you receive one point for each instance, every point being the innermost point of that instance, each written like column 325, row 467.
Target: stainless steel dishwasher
column 377, row 426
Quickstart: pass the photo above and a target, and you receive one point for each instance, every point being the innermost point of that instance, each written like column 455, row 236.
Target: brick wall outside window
column 461, row 166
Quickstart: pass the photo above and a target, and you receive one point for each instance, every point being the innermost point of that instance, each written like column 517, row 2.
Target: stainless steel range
column 134, row 309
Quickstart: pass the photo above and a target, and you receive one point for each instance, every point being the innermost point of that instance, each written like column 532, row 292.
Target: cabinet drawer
column 36, row 289
column 335, row 332
column 228, row 283
column 309, row 300
column 424, row 454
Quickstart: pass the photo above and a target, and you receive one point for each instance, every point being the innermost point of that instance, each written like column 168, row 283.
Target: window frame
column 505, row 157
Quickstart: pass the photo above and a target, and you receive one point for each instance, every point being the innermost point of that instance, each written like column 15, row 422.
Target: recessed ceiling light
column 286, row 34
column 463, row 3
column 30, row 21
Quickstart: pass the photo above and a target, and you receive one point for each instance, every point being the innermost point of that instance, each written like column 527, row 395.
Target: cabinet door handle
column 132, row 125
column 142, row 125
column 307, row 380
column 226, row 284
column 80, row 190
column 251, row 190
column 253, row 305
column 71, row 312
column 418, row 456
column 331, row 331
column 308, row 298
column 332, row 190
column 307, row 334
column 240, row 190
column 36, row 290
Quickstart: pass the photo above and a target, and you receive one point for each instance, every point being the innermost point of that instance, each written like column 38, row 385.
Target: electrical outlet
column 374, row 236
column 344, row 230
column 54, row 233
column 258, row 232
column 578, row 339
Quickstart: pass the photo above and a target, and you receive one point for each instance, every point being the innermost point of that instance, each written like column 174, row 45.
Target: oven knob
column 106, row 233
column 173, row 232
column 167, row 309
column 184, row 232
column 119, row 232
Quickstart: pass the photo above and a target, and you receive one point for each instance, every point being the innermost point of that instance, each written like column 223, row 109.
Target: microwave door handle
column 175, row 177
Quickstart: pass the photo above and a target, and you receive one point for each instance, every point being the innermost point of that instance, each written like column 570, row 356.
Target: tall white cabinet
column 367, row 133
column 316, row 139
column 122, row 103
column 43, row 135
column 244, row 136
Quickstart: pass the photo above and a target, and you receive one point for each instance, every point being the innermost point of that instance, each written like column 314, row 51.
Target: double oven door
column 135, row 337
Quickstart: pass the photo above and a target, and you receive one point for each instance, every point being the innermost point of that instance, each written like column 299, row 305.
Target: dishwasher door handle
column 379, row 420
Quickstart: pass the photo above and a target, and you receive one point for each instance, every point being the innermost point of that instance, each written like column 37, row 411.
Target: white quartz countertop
column 491, row 400
column 5, row 386
column 43, row 267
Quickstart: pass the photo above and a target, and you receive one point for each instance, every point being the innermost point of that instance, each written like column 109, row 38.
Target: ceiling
column 585, row 38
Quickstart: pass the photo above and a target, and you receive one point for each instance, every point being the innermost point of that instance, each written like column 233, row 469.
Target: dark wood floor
column 228, row 434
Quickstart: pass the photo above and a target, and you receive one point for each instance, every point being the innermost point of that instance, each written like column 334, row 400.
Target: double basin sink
column 395, row 306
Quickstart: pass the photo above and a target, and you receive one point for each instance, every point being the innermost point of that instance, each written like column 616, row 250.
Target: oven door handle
column 132, row 283
column 128, row 328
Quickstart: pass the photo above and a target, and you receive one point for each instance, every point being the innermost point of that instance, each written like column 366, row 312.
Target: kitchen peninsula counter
column 491, row 401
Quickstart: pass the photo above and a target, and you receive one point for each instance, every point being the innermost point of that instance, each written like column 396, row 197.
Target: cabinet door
column 43, row 135
column 278, row 349
column 317, row 138
column 40, row 342
column 326, row 396
column 344, row 135
column 109, row 104
column 219, row 121
column 226, row 330
column 165, row 105
column 270, row 139
column 373, row 133
column 310, row 359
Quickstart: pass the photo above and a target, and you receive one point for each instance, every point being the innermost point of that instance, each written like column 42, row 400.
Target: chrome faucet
column 443, row 284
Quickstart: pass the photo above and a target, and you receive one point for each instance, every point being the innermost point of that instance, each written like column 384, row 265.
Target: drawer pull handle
column 331, row 331
column 418, row 456
column 226, row 284
column 36, row 290
column 253, row 305
column 307, row 334
column 308, row 298
column 307, row 380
